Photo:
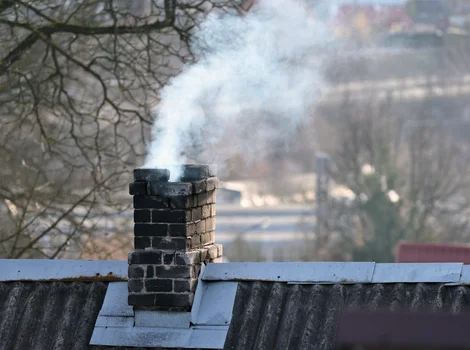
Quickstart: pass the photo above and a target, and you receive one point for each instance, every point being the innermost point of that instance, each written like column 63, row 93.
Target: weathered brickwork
column 174, row 224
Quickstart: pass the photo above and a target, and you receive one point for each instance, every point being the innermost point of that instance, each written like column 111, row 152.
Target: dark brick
column 148, row 175
column 194, row 172
column 135, row 286
column 213, row 252
column 185, row 202
column 182, row 300
column 150, row 202
column 191, row 229
column 207, row 238
column 185, row 286
column 168, row 258
column 150, row 229
column 169, row 189
column 204, row 254
column 195, row 241
column 188, row 258
column 196, row 214
column 139, row 257
column 142, row 242
column 142, row 215
column 169, row 243
column 206, row 211
column 171, row 216
column 149, row 273
column 173, row 271
column 206, row 198
column 141, row 299
column 201, row 226
column 210, row 224
column 137, row 188
column 134, row 271
column 212, row 198
column 212, row 183
column 199, row 186
column 195, row 270
column 182, row 230
column 159, row 285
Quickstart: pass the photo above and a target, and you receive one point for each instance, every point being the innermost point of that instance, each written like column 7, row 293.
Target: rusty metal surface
column 280, row 316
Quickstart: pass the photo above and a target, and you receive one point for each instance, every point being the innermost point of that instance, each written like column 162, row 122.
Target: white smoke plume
column 255, row 79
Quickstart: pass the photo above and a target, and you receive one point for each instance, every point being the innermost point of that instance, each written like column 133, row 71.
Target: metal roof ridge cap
column 322, row 272
column 464, row 277
column 378, row 272
column 417, row 272
column 197, row 296
column 68, row 270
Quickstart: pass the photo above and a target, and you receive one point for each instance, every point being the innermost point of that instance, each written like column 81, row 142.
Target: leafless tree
column 408, row 172
column 78, row 81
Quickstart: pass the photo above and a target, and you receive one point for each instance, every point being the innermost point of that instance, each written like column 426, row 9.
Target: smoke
column 249, row 91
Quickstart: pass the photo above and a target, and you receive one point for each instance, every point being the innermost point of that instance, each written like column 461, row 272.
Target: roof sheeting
column 284, row 316
column 50, row 315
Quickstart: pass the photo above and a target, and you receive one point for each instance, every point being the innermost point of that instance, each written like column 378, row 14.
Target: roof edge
column 340, row 272
column 37, row 270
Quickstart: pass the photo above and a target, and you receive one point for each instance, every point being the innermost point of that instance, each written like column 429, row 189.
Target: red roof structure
column 410, row 252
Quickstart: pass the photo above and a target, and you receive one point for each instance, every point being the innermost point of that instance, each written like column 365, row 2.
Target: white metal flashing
column 290, row 272
column 342, row 273
column 205, row 327
column 162, row 319
column 416, row 273
column 216, row 306
column 115, row 301
column 464, row 277
column 192, row 338
column 315, row 272
column 50, row 270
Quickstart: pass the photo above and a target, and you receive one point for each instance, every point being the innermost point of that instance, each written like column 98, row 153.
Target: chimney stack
column 174, row 235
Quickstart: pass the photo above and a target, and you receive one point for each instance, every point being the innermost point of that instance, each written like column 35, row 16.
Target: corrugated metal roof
column 432, row 252
column 50, row 315
column 282, row 316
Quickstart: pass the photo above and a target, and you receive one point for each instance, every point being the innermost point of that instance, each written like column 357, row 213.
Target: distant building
column 409, row 252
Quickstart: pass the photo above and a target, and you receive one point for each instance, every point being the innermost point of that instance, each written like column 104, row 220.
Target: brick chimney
column 174, row 235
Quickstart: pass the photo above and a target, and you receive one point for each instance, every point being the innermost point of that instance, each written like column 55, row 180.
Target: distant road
column 267, row 226
column 413, row 88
